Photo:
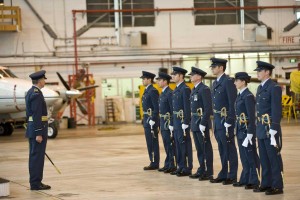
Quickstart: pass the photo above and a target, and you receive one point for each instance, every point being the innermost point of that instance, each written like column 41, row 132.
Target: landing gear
column 52, row 129
column 2, row 129
column 6, row 128
column 9, row 128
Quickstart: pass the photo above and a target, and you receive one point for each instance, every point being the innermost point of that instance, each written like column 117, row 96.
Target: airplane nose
column 47, row 92
column 50, row 95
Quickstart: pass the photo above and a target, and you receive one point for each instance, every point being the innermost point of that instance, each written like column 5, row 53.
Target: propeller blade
column 81, row 107
column 63, row 81
column 88, row 87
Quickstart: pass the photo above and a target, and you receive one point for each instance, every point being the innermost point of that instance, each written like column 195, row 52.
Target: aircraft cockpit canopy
column 6, row 73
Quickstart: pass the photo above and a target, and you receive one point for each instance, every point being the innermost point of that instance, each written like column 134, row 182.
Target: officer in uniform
column 224, row 95
column 151, row 119
column 37, row 130
column 268, row 130
column 181, row 121
column 201, row 109
column 166, row 119
column 245, row 132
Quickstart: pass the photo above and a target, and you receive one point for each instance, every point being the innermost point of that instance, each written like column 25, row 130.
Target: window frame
column 134, row 19
column 221, row 13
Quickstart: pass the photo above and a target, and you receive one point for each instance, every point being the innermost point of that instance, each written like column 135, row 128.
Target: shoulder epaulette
column 36, row 90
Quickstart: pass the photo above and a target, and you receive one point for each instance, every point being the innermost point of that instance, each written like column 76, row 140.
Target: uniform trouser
column 183, row 150
column 169, row 149
column 36, row 161
column 152, row 146
column 204, row 153
column 250, row 163
column 228, row 152
column 271, row 164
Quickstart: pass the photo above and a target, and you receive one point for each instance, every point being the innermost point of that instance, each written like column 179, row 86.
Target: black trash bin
column 71, row 123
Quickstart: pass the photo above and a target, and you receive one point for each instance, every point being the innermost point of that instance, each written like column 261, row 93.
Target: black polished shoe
column 170, row 170
column 238, row 184
column 205, row 178
column 262, row 189
column 251, row 187
column 41, row 187
column 217, row 180
column 180, row 174
column 175, row 172
column 195, row 176
column 229, row 181
column 162, row 169
column 150, row 168
column 274, row 191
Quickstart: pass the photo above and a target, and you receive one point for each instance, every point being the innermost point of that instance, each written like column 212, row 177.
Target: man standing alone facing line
column 150, row 119
column 37, row 130
column 224, row 95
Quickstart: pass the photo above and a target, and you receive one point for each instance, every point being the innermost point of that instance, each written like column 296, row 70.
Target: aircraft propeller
column 74, row 93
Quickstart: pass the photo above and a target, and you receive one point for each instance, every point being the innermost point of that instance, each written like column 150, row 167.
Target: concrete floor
column 108, row 164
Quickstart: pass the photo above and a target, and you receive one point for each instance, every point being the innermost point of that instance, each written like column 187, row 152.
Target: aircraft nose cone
column 73, row 93
column 50, row 95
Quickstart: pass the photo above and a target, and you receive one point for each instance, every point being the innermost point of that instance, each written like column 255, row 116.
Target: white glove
column 202, row 129
column 171, row 128
column 151, row 122
column 184, row 126
column 227, row 125
column 273, row 140
column 247, row 140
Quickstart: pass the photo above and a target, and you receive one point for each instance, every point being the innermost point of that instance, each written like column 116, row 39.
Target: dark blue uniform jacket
column 245, row 103
column 36, row 108
column 165, row 106
column 150, row 100
column 201, row 98
column 181, row 101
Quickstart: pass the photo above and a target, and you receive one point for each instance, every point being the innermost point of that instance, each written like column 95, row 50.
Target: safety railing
column 10, row 18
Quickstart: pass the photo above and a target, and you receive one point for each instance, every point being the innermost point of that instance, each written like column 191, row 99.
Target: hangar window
column 128, row 19
column 219, row 17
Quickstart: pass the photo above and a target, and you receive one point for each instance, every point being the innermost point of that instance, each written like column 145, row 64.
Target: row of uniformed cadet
column 182, row 110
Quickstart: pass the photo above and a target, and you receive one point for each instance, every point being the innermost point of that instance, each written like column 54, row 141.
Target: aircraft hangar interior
column 149, row 99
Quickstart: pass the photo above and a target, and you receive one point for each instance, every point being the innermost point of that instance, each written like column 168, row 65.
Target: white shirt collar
column 164, row 88
column 262, row 83
column 197, row 84
column 242, row 90
column 179, row 84
column 220, row 76
column 36, row 87
column 147, row 86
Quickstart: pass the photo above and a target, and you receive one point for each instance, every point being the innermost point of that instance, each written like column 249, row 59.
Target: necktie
column 259, row 87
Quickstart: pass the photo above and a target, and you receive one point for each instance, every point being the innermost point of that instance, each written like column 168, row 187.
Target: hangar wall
column 173, row 38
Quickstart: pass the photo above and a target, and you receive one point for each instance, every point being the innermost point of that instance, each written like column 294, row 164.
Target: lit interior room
column 149, row 99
